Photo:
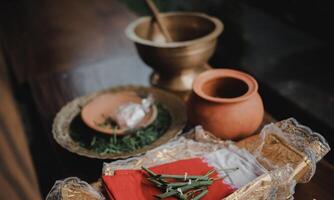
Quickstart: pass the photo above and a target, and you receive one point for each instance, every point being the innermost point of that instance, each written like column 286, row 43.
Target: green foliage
column 115, row 144
column 181, row 187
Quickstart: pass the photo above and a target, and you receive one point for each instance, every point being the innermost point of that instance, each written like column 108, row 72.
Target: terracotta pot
column 227, row 103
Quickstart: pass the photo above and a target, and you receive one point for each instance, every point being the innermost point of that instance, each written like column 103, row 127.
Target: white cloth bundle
column 230, row 158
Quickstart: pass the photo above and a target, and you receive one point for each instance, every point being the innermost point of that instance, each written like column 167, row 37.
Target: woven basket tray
column 68, row 119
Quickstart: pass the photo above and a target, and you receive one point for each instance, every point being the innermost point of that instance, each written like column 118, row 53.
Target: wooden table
column 59, row 50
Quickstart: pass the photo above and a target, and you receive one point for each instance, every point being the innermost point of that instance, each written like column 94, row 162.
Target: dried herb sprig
column 183, row 187
column 201, row 195
column 108, row 122
column 103, row 144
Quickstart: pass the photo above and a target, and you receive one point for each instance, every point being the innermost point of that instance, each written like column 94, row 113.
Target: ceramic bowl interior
column 225, row 85
column 94, row 112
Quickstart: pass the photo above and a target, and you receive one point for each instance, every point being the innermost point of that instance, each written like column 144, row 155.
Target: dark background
column 58, row 50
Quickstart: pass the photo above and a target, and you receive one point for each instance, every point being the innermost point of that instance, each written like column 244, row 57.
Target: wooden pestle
column 156, row 15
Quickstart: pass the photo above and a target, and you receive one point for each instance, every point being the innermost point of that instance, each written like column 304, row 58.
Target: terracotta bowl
column 94, row 112
column 227, row 103
column 176, row 63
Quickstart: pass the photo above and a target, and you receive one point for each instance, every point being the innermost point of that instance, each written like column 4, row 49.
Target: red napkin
column 132, row 184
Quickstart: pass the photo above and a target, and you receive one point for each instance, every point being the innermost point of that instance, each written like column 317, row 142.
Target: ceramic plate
column 95, row 112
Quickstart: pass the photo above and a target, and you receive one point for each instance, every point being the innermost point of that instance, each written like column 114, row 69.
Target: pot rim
column 225, row 73
column 130, row 31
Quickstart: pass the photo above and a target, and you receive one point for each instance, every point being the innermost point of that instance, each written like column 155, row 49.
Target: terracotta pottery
column 226, row 102
column 95, row 111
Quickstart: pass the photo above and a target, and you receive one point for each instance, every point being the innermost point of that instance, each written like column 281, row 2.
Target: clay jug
column 227, row 103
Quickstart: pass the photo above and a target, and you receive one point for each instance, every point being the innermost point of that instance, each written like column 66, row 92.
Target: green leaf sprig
column 103, row 144
column 182, row 187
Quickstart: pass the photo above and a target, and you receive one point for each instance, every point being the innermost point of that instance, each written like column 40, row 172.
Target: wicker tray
column 69, row 118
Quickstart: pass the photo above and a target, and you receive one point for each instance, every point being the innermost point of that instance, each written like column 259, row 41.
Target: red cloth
column 132, row 184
